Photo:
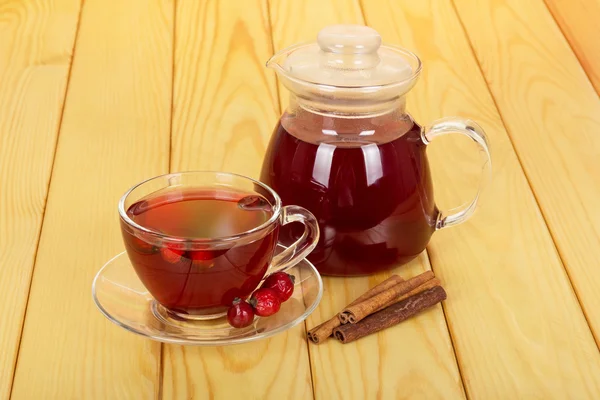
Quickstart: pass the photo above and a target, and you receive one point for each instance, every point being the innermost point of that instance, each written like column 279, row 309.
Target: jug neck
column 340, row 109
column 347, row 130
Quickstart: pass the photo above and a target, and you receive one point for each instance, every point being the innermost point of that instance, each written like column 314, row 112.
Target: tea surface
column 201, row 213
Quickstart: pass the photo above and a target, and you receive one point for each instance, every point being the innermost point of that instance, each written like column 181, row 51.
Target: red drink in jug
column 367, row 182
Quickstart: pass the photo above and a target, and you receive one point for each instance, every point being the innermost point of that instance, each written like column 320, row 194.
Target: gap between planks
column 37, row 245
column 161, row 363
column 585, row 71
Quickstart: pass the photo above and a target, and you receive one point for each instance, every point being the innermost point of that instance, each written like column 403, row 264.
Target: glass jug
column 347, row 150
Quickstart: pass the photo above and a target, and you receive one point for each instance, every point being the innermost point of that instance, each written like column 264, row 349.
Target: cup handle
column 470, row 129
column 301, row 247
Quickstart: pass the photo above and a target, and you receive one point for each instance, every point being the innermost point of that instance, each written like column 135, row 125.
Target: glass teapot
column 347, row 150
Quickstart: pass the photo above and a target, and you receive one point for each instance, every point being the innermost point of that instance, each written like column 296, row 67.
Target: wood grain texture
column 553, row 116
column 115, row 132
column 412, row 360
column 36, row 42
column 516, row 325
column 225, row 107
column 225, row 101
column 578, row 20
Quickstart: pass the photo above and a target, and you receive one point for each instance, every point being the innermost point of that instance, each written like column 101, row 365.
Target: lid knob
column 349, row 39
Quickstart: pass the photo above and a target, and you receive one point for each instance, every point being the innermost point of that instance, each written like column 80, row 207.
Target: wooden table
column 95, row 97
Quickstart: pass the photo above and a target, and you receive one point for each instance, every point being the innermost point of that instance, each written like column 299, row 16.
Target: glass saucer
column 123, row 299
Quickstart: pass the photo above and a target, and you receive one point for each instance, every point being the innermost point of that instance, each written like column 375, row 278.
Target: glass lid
column 347, row 62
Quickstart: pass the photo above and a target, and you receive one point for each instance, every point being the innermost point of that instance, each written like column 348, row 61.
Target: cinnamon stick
column 324, row 330
column 390, row 316
column 349, row 318
column 357, row 312
column 426, row 286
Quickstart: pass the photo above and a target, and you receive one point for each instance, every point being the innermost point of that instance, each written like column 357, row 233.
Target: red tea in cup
column 185, row 280
column 197, row 247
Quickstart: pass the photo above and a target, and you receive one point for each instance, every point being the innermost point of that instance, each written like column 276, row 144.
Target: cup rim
column 276, row 209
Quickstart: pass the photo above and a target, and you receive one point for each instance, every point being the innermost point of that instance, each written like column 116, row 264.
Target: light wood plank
column 225, row 101
column 36, row 42
column 412, row 360
column 516, row 324
column 115, row 132
column 578, row 20
column 225, row 107
column 553, row 116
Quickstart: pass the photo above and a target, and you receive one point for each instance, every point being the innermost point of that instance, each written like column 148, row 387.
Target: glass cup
column 197, row 277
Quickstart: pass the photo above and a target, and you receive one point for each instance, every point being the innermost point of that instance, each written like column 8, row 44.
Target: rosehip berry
column 240, row 314
column 282, row 283
column 205, row 255
column 170, row 254
column 201, row 255
column 265, row 302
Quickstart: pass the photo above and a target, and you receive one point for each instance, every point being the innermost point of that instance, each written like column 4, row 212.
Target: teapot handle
column 470, row 129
